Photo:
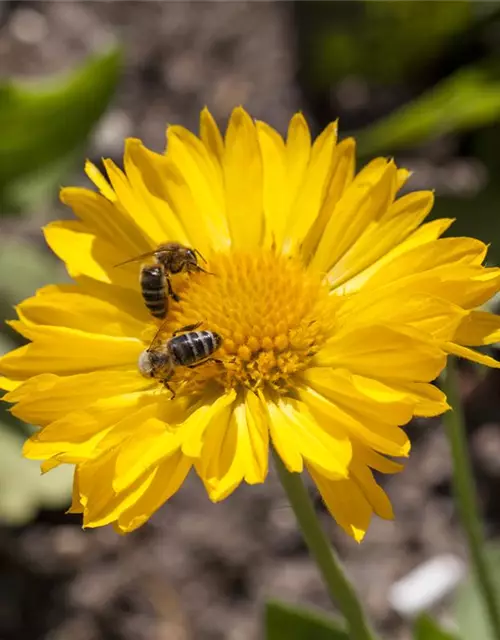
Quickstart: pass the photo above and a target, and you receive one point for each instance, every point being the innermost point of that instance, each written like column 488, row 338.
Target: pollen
column 271, row 313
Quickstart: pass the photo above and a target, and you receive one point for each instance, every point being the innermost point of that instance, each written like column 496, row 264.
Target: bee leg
column 188, row 327
column 198, row 364
column 171, row 292
column 198, row 268
column 165, row 382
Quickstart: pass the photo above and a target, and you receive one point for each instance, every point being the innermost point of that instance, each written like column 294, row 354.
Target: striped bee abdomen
column 152, row 283
column 194, row 346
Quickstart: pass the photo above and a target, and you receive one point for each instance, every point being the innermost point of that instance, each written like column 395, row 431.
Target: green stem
column 339, row 587
column 465, row 491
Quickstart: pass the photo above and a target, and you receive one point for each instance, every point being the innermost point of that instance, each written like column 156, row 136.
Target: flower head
column 336, row 304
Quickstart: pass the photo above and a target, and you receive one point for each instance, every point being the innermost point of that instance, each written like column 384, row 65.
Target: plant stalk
column 339, row 587
column 465, row 491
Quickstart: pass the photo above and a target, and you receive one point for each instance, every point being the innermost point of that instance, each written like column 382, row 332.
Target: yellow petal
column 221, row 466
column 257, row 430
column 168, row 478
column 100, row 181
column 196, row 191
column 209, row 409
column 435, row 316
column 385, row 438
column 470, row 354
column 478, row 328
column 430, row 256
column 143, row 450
column 384, row 352
column 241, row 451
column 298, row 151
column 129, row 301
column 46, row 397
column 351, row 502
column 67, row 351
column 102, row 505
column 89, row 255
column 76, row 503
column 140, row 191
column 283, row 441
column 365, row 200
column 244, row 187
column 69, row 307
column 427, row 399
column 211, row 137
column 376, row 461
column 315, row 182
column 424, row 234
column 337, row 386
column 400, row 219
column 346, row 503
column 8, row 385
column 296, row 433
column 276, row 207
column 342, row 173
column 109, row 221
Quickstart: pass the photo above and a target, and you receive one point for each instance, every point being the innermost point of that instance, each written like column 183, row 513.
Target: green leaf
column 23, row 490
column 426, row 628
column 468, row 99
column 470, row 613
column 288, row 622
column 24, row 268
column 359, row 38
column 42, row 125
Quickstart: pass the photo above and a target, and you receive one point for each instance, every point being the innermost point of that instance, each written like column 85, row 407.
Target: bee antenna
column 196, row 251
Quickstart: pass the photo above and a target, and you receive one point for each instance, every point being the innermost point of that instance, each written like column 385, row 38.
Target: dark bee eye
column 192, row 255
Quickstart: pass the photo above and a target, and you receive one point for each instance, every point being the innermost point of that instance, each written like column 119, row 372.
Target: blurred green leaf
column 360, row 38
column 42, row 125
column 23, row 490
column 426, row 628
column 469, row 610
column 24, row 268
column 468, row 99
column 288, row 622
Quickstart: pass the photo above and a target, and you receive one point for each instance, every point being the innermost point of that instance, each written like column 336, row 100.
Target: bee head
column 191, row 257
column 145, row 365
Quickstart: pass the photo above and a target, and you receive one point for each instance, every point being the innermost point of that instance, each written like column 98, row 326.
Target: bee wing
column 156, row 340
column 149, row 254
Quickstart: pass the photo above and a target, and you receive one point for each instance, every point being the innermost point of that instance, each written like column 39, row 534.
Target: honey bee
column 170, row 258
column 190, row 349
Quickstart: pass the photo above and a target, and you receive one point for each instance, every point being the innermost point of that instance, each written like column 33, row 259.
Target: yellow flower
column 336, row 304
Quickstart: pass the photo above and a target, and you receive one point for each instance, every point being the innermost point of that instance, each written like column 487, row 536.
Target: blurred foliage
column 44, row 126
column 24, row 268
column 468, row 99
column 43, row 130
column 23, row 491
column 360, row 38
column 426, row 628
column 470, row 614
column 423, row 72
column 289, row 622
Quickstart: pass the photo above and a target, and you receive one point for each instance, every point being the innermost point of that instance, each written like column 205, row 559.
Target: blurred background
column 417, row 80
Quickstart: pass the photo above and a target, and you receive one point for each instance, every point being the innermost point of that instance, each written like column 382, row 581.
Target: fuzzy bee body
column 170, row 258
column 193, row 347
column 152, row 281
column 190, row 349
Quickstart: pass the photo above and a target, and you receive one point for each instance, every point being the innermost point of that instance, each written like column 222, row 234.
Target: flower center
column 271, row 314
